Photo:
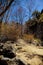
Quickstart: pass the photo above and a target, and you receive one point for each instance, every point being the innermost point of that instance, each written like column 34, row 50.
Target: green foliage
column 41, row 18
column 36, row 14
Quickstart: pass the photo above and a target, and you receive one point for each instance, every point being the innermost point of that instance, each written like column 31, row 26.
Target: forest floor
column 28, row 53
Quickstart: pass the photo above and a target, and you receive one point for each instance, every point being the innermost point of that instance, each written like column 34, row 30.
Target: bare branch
column 7, row 7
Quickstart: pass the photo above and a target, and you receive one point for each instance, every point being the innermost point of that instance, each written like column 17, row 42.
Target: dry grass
column 28, row 37
column 10, row 30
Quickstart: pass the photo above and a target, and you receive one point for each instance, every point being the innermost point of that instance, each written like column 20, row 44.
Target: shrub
column 10, row 31
column 28, row 37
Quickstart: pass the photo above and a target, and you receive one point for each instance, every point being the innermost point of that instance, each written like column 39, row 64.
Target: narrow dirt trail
column 30, row 47
column 27, row 53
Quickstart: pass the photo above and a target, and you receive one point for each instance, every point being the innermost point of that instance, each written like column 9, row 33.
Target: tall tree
column 4, row 6
column 36, row 14
column 21, row 17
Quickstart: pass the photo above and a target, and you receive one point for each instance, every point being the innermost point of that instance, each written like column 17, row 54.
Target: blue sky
column 14, row 14
column 39, row 4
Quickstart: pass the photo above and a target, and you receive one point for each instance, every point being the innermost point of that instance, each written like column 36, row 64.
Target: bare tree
column 30, row 6
column 4, row 6
column 21, row 17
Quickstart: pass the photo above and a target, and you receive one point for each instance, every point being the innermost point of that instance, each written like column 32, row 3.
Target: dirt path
column 32, row 48
column 27, row 53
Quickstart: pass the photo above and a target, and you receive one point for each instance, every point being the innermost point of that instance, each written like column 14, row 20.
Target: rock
column 8, row 42
column 8, row 53
column 20, row 62
column 3, row 38
column 3, row 62
column 1, row 46
column 36, row 42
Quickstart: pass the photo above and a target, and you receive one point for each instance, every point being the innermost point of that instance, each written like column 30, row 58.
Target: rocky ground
column 20, row 53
